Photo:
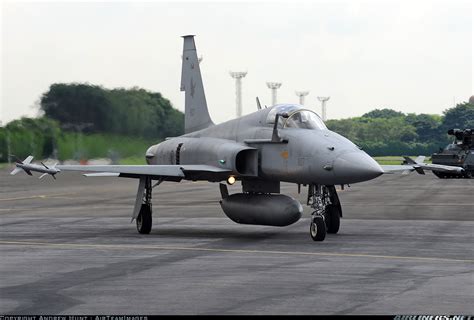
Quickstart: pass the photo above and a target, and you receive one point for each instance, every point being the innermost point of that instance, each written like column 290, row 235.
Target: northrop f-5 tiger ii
column 282, row 143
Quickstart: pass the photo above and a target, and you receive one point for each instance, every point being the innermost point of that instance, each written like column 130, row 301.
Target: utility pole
column 301, row 95
column 274, row 86
column 323, row 106
column 238, row 91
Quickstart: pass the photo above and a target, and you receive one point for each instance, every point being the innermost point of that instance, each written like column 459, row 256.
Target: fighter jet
column 282, row 143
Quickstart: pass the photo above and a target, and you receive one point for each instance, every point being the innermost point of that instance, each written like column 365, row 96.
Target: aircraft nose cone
column 356, row 167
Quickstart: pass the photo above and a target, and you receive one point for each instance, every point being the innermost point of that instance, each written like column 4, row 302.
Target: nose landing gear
column 317, row 228
column 327, row 211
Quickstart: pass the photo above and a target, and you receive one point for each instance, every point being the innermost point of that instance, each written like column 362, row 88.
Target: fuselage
column 307, row 152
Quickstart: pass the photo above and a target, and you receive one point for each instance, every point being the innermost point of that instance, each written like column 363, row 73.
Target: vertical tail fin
column 196, row 115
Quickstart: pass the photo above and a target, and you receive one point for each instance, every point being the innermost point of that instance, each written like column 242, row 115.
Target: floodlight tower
column 274, row 86
column 238, row 90
column 302, row 94
column 323, row 106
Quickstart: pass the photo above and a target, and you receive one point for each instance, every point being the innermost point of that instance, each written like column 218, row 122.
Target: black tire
column 317, row 228
column 333, row 212
column 332, row 218
column 144, row 220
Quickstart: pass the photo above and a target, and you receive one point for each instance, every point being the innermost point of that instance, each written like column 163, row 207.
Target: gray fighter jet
column 285, row 142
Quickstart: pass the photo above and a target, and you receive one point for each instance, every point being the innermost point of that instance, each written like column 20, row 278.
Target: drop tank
column 262, row 209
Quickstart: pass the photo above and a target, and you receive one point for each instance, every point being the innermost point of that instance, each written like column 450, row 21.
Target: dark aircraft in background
column 459, row 153
column 285, row 142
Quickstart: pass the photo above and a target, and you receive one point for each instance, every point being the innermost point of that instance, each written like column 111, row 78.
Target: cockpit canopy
column 295, row 116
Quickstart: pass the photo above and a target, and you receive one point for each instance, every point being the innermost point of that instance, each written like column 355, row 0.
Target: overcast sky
column 412, row 56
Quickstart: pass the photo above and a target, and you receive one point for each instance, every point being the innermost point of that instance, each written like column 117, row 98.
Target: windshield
column 304, row 119
column 298, row 117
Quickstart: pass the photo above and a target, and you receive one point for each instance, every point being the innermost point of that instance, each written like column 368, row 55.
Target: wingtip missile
column 15, row 171
column 29, row 167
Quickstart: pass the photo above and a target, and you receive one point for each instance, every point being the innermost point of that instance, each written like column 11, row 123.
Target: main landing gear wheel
column 317, row 228
column 333, row 211
column 144, row 221
column 332, row 218
column 327, row 211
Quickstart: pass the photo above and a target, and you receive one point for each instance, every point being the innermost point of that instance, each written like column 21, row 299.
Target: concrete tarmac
column 67, row 247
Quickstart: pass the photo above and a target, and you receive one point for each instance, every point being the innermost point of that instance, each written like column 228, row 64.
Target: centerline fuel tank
column 262, row 209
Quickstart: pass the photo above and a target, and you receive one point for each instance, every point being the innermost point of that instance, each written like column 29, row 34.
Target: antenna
column 259, row 106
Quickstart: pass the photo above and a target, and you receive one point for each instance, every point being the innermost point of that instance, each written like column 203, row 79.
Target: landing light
column 231, row 180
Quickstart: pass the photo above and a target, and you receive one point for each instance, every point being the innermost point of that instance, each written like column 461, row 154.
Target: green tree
column 461, row 117
column 35, row 136
column 383, row 113
column 132, row 112
column 427, row 127
column 74, row 104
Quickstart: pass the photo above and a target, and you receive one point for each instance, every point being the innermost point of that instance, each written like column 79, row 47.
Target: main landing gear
column 327, row 213
column 144, row 220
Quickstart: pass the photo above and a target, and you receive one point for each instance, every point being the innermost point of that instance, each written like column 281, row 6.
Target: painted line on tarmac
column 270, row 252
column 40, row 196
column 410, row 205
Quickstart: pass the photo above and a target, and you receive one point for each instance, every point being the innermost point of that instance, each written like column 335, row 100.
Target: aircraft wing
column 165, row 172
column 420, row 167
column 168, row 172
column 127, row 170
column 145, row 173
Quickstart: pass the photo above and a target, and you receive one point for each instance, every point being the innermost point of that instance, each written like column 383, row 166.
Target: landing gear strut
column 144, row 221
column 327, row 211
column 333, row 212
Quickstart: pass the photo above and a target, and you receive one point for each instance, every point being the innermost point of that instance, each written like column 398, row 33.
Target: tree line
column 384, row 132
column 72, row 111
column 133, row 112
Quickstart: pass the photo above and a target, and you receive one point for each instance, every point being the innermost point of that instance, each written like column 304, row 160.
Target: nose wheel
column 317, row 228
